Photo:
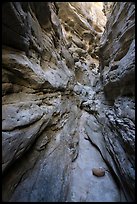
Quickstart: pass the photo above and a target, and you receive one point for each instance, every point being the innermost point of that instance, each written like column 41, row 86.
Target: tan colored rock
column 99, row 172
column 53, row 98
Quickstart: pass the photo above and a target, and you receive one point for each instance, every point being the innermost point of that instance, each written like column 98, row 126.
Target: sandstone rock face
column 39, row 124
column 117, row 51
column 82, row 24
column 107, row 8
column 68, row 101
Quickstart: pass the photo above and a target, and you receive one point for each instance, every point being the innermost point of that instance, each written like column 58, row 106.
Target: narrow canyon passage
column 86, row 187
column 68, row 101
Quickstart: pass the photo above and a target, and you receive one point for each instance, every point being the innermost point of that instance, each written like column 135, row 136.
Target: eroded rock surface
column 68, row 101
column 118, row 81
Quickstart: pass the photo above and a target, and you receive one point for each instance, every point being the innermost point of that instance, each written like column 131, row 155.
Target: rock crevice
column 68, row 105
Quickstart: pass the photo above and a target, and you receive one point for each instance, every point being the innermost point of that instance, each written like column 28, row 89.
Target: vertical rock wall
column 39, row 112
column 82, row 24
column 64, row 85
column 116, row 113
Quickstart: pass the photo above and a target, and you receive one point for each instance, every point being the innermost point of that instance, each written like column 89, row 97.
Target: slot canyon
column 68, row 102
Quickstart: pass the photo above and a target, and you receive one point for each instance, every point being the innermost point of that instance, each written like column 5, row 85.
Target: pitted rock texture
column 82, row 24
column 117, row 52
column 68, row 101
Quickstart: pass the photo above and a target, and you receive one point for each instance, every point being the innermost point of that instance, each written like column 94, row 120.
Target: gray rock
column 68, row 102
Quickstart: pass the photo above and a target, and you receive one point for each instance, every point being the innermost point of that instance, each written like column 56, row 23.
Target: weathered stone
column 118, row 80
column 68, row 101
column 98, row 172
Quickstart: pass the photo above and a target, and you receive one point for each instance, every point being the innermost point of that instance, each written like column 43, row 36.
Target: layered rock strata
column 117, row 57
column 68, row 101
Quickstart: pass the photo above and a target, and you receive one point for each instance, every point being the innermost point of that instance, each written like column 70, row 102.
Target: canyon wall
column 117, row 67
column 68, row 101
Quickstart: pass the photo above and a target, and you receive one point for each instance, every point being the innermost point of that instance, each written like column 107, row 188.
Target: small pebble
column 99, row 172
